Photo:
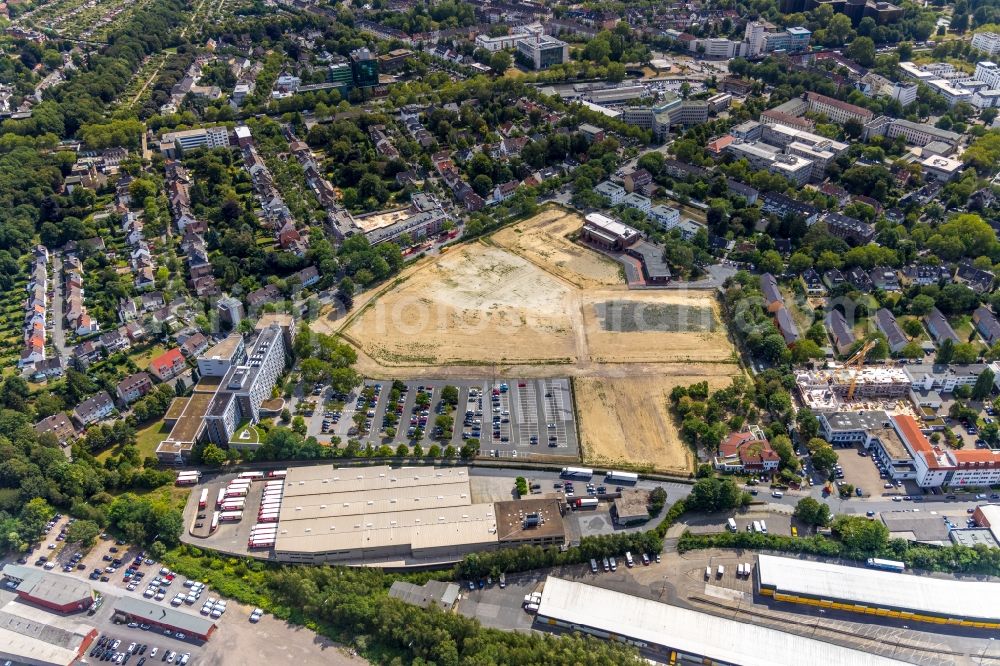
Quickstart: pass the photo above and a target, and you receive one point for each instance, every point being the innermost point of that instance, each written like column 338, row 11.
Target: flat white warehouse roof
column 689, row 631
column 881, row 589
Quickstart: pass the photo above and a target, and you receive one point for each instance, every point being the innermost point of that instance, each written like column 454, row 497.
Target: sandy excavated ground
column 626, row 419
column 543, row 241
column 528, row 302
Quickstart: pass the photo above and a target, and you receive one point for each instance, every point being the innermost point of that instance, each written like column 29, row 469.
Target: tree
column 812, row 512
column 965, row 353
column 83, row 532
column 912, row 350
column 913, row 327
column 716, row 495
column 946, row 352
column 213, row 456
column 824, row 458
column 984, row 385
column 500, row 61
column 770, row 262
column 921, row 304
column 449, row 395
column 860, row 534
column 862, row 50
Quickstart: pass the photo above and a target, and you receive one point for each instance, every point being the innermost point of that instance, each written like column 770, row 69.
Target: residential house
column 939, row 327
column 308, row 276
column 194, row 345
column 860, row 280
column 786, row 326
column 885, row 278
column 772, row 295
column 747, row 452
column 114, row 341
column 152, row 301
column 48, row 368
column 127, row 310
column 987, row 324
column 86, row 353
column 781, row 205
column 886, row 323
column 60, row 425
column 840, row 332
column 833, row 278
column 611, row 191
column 638, row 179
column 168, row 365
column 812, row 282
column 134, row 387
column 917, row 274
column 267, row 294
column 94, row 409
column 748, row 193
column 666, row 217
column 637, row 201
column 850, row 229
column 977, row 279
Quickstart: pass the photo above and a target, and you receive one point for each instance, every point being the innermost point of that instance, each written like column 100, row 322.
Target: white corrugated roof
column 690, row 631
column 871, row 587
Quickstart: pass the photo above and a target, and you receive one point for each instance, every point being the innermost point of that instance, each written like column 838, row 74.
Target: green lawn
column 142, row 359
column 147, row 439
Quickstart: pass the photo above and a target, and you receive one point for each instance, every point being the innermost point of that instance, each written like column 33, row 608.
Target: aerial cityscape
column 500, row 332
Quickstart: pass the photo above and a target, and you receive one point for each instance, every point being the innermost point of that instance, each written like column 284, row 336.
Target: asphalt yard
column 511, row 418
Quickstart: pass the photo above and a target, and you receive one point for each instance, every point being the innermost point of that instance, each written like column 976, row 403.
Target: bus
column 221, row 497
column 277, row 474
column 252, row 476
column 215, row 521
column 577, row 473
column 230, row 516
column 886, row 565
column 203, row 499
column 621, row 477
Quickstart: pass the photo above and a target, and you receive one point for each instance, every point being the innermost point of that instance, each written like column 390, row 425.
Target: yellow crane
column 857, row 361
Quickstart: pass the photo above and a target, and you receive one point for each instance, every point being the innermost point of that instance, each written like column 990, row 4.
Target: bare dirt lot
column 625, row 419
column 475, row 305
column 528, row 302
column 543, row 240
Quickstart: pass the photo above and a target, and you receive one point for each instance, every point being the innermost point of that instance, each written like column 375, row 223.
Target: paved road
column 58, row 330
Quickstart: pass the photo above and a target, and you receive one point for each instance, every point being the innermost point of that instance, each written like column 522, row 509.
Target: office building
column 836, row 110
column 203, row 137
column 905, row 92
column 988, row 73
column 788, row 40
column 230, row 311
column 763, row 156
column 364, row 67
column 611, row 191
column 942, row 169
column 920, row 134
column 542, row 51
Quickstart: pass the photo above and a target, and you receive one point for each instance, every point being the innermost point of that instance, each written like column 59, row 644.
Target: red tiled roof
column 166, row 360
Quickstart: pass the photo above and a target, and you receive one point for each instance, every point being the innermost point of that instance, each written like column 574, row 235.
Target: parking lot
column 525, row 417
column 861, row 472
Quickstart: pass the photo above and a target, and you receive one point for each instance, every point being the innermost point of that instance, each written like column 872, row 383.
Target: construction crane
column 856, row 362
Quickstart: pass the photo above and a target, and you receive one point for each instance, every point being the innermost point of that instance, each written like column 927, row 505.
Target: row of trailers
column 264, row 533
column 231, row 500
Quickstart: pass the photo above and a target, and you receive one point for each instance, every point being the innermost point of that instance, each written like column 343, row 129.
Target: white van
column 756, row 526
column 708, row 572
column 763, row 527
column 739, row 570
column 593, row 565
column 628, row 559
column 747, row 569
column 721, row 571
column 731, row 523
column 614, row 564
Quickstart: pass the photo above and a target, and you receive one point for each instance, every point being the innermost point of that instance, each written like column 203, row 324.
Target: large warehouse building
column 880, row 593
column 381, row 513
column 62, row 594
column 679, row 635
